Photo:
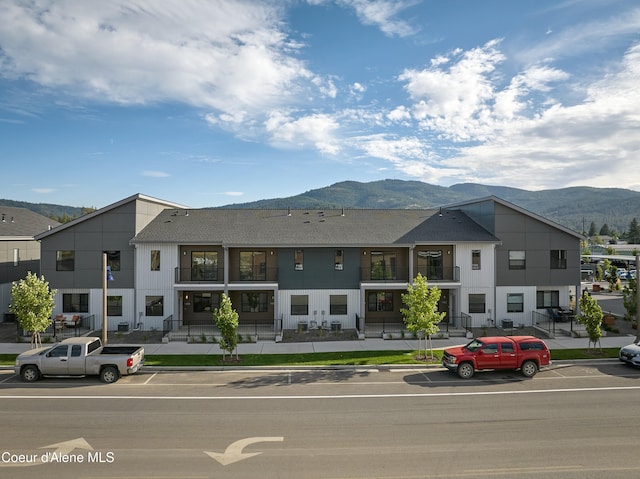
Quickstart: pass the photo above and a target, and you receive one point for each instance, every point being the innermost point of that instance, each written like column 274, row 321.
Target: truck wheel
column 30, row 374
column 109, row 375
column 529, row 369
column 465, row 370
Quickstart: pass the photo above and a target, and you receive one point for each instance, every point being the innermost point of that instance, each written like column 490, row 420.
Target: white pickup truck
column 83, row 356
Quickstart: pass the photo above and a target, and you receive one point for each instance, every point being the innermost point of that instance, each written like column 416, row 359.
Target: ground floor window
column 515, row 303
column 154, row 305
column 75, row 303
column 547, row 299
column 477, row 303
column 338, row 304
column 114, row 305
column 254, row 302
column 204, row 301
column 380, row 301
column 299, row 305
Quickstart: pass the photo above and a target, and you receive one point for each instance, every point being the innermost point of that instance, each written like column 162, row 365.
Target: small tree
column 421, row 313
column 630, row 299
column 32, row 303
column 226, row 319
column 591, row 317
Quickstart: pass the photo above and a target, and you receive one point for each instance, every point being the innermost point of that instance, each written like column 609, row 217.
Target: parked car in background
column 630, row 354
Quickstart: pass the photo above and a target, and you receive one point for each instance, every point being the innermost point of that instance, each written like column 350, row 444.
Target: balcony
column 445, row 273
column 199, row 275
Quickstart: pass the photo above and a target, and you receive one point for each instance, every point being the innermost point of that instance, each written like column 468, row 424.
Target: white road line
column 150, row 378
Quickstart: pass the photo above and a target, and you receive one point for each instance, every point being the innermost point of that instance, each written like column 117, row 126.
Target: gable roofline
column 519, row 209
column 98, row 212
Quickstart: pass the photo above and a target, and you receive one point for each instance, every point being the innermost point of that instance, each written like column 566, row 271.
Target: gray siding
column 319, row 270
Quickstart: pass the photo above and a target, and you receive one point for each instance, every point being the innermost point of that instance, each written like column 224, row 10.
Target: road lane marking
column 329, row 396
column 150, row 378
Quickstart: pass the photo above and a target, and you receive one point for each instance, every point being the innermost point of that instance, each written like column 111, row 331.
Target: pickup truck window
column 507, row 348
column 474, row 345
column 59, row 352
column 91, row 347
column 490, row 348
column 76, row 350
column 533, row 345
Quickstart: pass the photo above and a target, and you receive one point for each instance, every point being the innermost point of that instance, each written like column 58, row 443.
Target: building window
column 75, row 303
column 298, row 260
column 547, row 299
column 515, row 303
column 477, row 303
column 475, row 259
column 383, row 265
column 558, row 259
column 114, row 305
column 338, row 260
column 155, row 260
column 430, row 264
column 253, row 265
column 299, row 305
column 380, row 301
column 154, row 305
column 65, row 260
column 255, row 302
column 204, row 266
column 338, row 304
column 113, row 260
column 205, row 301
column 16, row 256
column 517, row 260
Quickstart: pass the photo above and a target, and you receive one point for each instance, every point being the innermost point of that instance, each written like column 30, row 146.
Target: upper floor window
column 517, row 260
column 113, row 260
column 155, row 260
column 383, row 265
column 338, row 260
column 475, row 259
column 558, row 259
column 253, row 265
column 204, row 265
column 298, row 260
column 65, row 260
column 430, row 264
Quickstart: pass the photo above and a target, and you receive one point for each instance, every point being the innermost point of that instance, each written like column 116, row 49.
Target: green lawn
column 351, row 358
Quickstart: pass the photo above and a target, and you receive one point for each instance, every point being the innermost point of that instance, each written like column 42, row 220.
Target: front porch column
column 411, row 251
column 225, row 273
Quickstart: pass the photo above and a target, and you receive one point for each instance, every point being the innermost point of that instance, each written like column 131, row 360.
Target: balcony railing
column 199, row 275
column 445, row 273
column 216, row 275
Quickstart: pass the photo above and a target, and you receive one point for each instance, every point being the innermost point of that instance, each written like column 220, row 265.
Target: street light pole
column 104, row 299
column 637, row 300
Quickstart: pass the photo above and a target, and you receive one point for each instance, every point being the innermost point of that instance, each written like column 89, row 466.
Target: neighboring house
column 71, row 259
column 19, row 251
column 285, row 269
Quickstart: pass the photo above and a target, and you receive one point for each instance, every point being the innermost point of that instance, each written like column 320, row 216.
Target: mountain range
column 575, row 207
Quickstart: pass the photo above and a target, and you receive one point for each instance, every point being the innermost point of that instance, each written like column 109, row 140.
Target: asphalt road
column 571, row 421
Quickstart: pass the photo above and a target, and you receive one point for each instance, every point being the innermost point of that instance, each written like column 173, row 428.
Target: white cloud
column 382, row 13
column 316, row 130
column 233, row 193
column 155, row 174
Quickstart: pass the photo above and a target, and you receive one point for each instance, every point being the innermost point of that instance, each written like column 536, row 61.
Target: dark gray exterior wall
column 319, row 269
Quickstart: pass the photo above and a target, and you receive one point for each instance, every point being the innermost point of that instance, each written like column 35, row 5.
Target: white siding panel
column 477, row 281
column 524, row 318
column 318, row 302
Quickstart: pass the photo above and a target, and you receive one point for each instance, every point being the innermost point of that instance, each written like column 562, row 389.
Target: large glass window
column 65, row 260
column 114, row 305
column 255, row 302
column 154, row 305
column 204, row 266
column 75, row 303
column 380, row 301
column 205, row 301
column 475, row 259
column 338, row 304
column 299, row 305
column 430, row 264
column 547, row 299
column 477, row 303
column 558, row 259
column 113, row 260
column 517, row 260
column 383, row 265
column 515, row 303
column 253, row 265
column 155, row 260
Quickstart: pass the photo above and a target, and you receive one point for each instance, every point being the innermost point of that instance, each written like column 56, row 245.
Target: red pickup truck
column 526, row 353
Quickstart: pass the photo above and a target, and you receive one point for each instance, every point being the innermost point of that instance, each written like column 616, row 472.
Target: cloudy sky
column 211, row 102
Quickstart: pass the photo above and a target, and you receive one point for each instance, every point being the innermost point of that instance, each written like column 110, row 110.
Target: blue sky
column 207, row 103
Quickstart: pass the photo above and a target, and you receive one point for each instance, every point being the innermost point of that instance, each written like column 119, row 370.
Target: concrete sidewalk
column 270, row 347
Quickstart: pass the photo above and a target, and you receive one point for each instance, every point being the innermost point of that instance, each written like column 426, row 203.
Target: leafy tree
column 226, row 319
column 421, row 313
column 633, row 235
column 32, row 303
column 591, row 317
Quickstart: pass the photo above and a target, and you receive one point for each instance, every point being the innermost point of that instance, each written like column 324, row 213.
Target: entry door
column 56, row 361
